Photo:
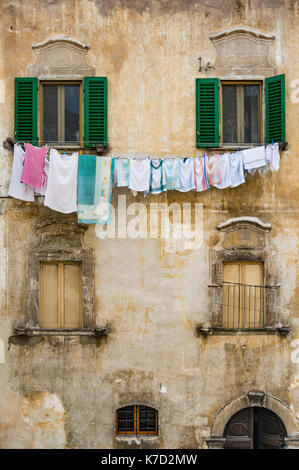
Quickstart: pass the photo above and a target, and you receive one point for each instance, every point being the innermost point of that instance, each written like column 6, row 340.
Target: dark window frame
column 42, row 83
column 136, row 418
column 261, row 110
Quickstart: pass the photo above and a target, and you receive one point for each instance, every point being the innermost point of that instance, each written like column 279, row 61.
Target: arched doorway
column 254, row 428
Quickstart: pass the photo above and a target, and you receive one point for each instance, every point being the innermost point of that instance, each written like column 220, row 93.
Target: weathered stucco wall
column 61, row 392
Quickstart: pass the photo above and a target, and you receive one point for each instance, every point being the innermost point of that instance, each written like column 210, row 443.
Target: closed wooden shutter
column 275, row 109
column 26, row 110
column 72, row 296
column 95, row 111
column 207, row 112
column 49, row 296
column 60, row 295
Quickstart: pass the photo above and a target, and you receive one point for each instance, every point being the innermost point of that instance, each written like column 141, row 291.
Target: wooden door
column 254, row 428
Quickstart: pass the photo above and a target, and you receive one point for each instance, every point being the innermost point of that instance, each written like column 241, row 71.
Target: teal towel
column 95, row 181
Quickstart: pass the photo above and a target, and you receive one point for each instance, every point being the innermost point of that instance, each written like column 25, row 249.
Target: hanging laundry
column 186, row 170
column 122, row 172
column 171, row 173
column 17, row 189
column 236, row 169
column 61, row 194
column 43, row 190
column 213, row 170
column 254, row 158
column 200, row 176
column 34, row 163
column 224, row 167
column 95, row 181
column 157, row 184
column 272, row 156
column 139, row 174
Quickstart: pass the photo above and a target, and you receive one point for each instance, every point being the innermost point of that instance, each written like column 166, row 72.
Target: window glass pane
column 147, row 418
column 125, row 419
column 229, row 115
column 50, row 113
column 251, row 113
column 72, row 119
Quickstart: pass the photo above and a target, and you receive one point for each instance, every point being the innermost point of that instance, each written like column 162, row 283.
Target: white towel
column 16, row 188
column 272, row 156
column 139, row 174
column 225, row 176
column 61, row 194
column 186, row 175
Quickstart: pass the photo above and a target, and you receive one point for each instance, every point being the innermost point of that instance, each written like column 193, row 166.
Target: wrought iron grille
column 243, row 305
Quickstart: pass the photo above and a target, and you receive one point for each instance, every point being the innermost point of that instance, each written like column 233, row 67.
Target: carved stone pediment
column 242, row 51
column 243, row 233
column 61, row 58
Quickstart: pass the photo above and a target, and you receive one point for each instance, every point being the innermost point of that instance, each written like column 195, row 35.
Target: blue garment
column 171, row 173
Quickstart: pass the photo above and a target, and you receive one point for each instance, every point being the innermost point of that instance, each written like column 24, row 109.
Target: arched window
column 136, row 419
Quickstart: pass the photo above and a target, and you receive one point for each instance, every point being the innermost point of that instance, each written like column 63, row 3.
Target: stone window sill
column 137, row 438
column 283, row 331
column 103, row 331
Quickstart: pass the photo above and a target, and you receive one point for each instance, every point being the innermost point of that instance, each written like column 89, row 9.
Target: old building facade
column 154, row 332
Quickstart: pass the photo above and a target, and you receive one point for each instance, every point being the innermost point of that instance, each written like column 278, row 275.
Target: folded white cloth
column 254, row 158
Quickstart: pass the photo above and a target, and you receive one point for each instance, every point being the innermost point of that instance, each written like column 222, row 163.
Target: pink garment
column 34, row 163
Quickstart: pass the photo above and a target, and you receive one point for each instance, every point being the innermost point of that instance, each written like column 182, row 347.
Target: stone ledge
column 103, row 331
column 210, row 331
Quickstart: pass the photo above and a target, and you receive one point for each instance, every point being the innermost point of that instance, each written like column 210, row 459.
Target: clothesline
column 83, row 183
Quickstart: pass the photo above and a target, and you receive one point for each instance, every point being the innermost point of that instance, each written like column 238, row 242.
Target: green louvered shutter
column 26, row 110
column 207, row 112
column 275, row 109
column 95, row 110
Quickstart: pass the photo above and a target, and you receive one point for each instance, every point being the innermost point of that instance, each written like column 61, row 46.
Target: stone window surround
column 220, row 254
column 84, row 256
column 253, row 64
column 60, row 241
column 61, row 59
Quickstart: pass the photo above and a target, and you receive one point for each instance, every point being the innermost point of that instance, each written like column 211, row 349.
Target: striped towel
column 95, row 181
column 213, row 170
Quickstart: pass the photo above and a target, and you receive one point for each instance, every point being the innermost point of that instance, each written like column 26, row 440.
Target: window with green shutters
column 61, row 115
column 239, row 119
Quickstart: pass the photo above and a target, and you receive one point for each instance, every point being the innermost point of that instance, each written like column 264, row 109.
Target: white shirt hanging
column 17, row 189
column 139, row 174
column 61, row 194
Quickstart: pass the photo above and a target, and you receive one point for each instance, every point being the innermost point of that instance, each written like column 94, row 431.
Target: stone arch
column 253, row 398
